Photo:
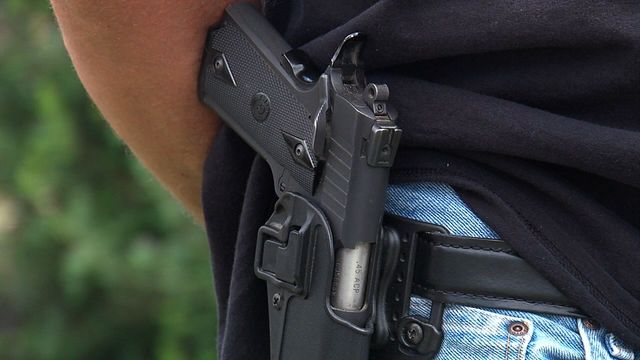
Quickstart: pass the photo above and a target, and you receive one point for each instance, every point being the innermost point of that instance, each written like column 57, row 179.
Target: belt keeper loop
column 411, row 335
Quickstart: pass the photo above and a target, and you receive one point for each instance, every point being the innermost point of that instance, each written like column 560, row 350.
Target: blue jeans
column 485, row 333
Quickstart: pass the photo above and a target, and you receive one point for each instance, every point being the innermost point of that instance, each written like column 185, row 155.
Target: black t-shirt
column 530, row 109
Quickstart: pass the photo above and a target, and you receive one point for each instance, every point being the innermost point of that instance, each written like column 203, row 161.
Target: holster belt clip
column 426, row 260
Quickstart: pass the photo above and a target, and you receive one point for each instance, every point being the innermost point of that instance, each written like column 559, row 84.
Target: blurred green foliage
column 96, row 260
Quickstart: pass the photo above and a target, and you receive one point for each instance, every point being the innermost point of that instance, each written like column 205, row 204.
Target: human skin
column 139, row 62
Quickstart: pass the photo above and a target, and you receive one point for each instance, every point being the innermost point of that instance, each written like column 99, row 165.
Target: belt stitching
column 427, row 290
column 508, row 251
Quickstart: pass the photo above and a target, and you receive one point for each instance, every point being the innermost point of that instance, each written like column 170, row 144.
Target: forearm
column 138, row 61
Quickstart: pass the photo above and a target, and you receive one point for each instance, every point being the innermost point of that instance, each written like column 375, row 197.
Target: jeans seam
column 584, row 338
column 520, row 348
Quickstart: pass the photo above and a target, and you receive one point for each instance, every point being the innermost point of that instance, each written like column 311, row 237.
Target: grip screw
column 276, row 301
column 260, row 106
column 218, row 63
column 299, row 150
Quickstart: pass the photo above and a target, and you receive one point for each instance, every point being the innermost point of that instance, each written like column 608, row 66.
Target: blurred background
column 96, row 260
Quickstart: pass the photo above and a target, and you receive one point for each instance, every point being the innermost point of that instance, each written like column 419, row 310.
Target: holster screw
column 412, row 334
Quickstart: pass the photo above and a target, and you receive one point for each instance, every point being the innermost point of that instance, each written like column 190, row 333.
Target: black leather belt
column 426, row 260
column 482, row 272
column 476, row 271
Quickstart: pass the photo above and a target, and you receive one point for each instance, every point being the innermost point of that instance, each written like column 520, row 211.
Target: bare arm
column 139, row 61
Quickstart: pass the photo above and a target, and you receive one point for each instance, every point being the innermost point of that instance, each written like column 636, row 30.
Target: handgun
column 330, row 139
